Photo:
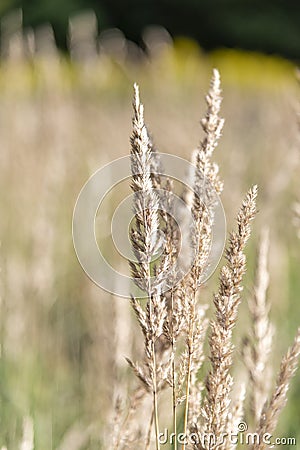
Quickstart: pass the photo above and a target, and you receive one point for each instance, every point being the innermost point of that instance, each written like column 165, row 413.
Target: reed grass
column 174, row 323
column 257, row 348
column 62, row 345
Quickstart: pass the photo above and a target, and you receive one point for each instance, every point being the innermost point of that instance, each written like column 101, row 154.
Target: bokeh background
column 66, row 75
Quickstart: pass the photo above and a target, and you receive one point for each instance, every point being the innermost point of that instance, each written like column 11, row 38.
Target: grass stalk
column 148, row 440
column 174, row 396
column 189, row 368
column 154, row 369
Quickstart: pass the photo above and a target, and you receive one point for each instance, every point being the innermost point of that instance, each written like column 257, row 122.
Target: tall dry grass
column 61, row 338
column 210, row 417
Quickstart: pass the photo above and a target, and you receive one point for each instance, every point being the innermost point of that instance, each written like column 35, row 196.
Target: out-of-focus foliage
column 8, row 5
column 269, row 26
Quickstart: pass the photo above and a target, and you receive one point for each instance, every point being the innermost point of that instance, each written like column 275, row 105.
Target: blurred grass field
column 62, row 339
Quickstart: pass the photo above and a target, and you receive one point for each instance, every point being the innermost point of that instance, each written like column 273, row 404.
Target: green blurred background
column 271, row 26
column 66, row 75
